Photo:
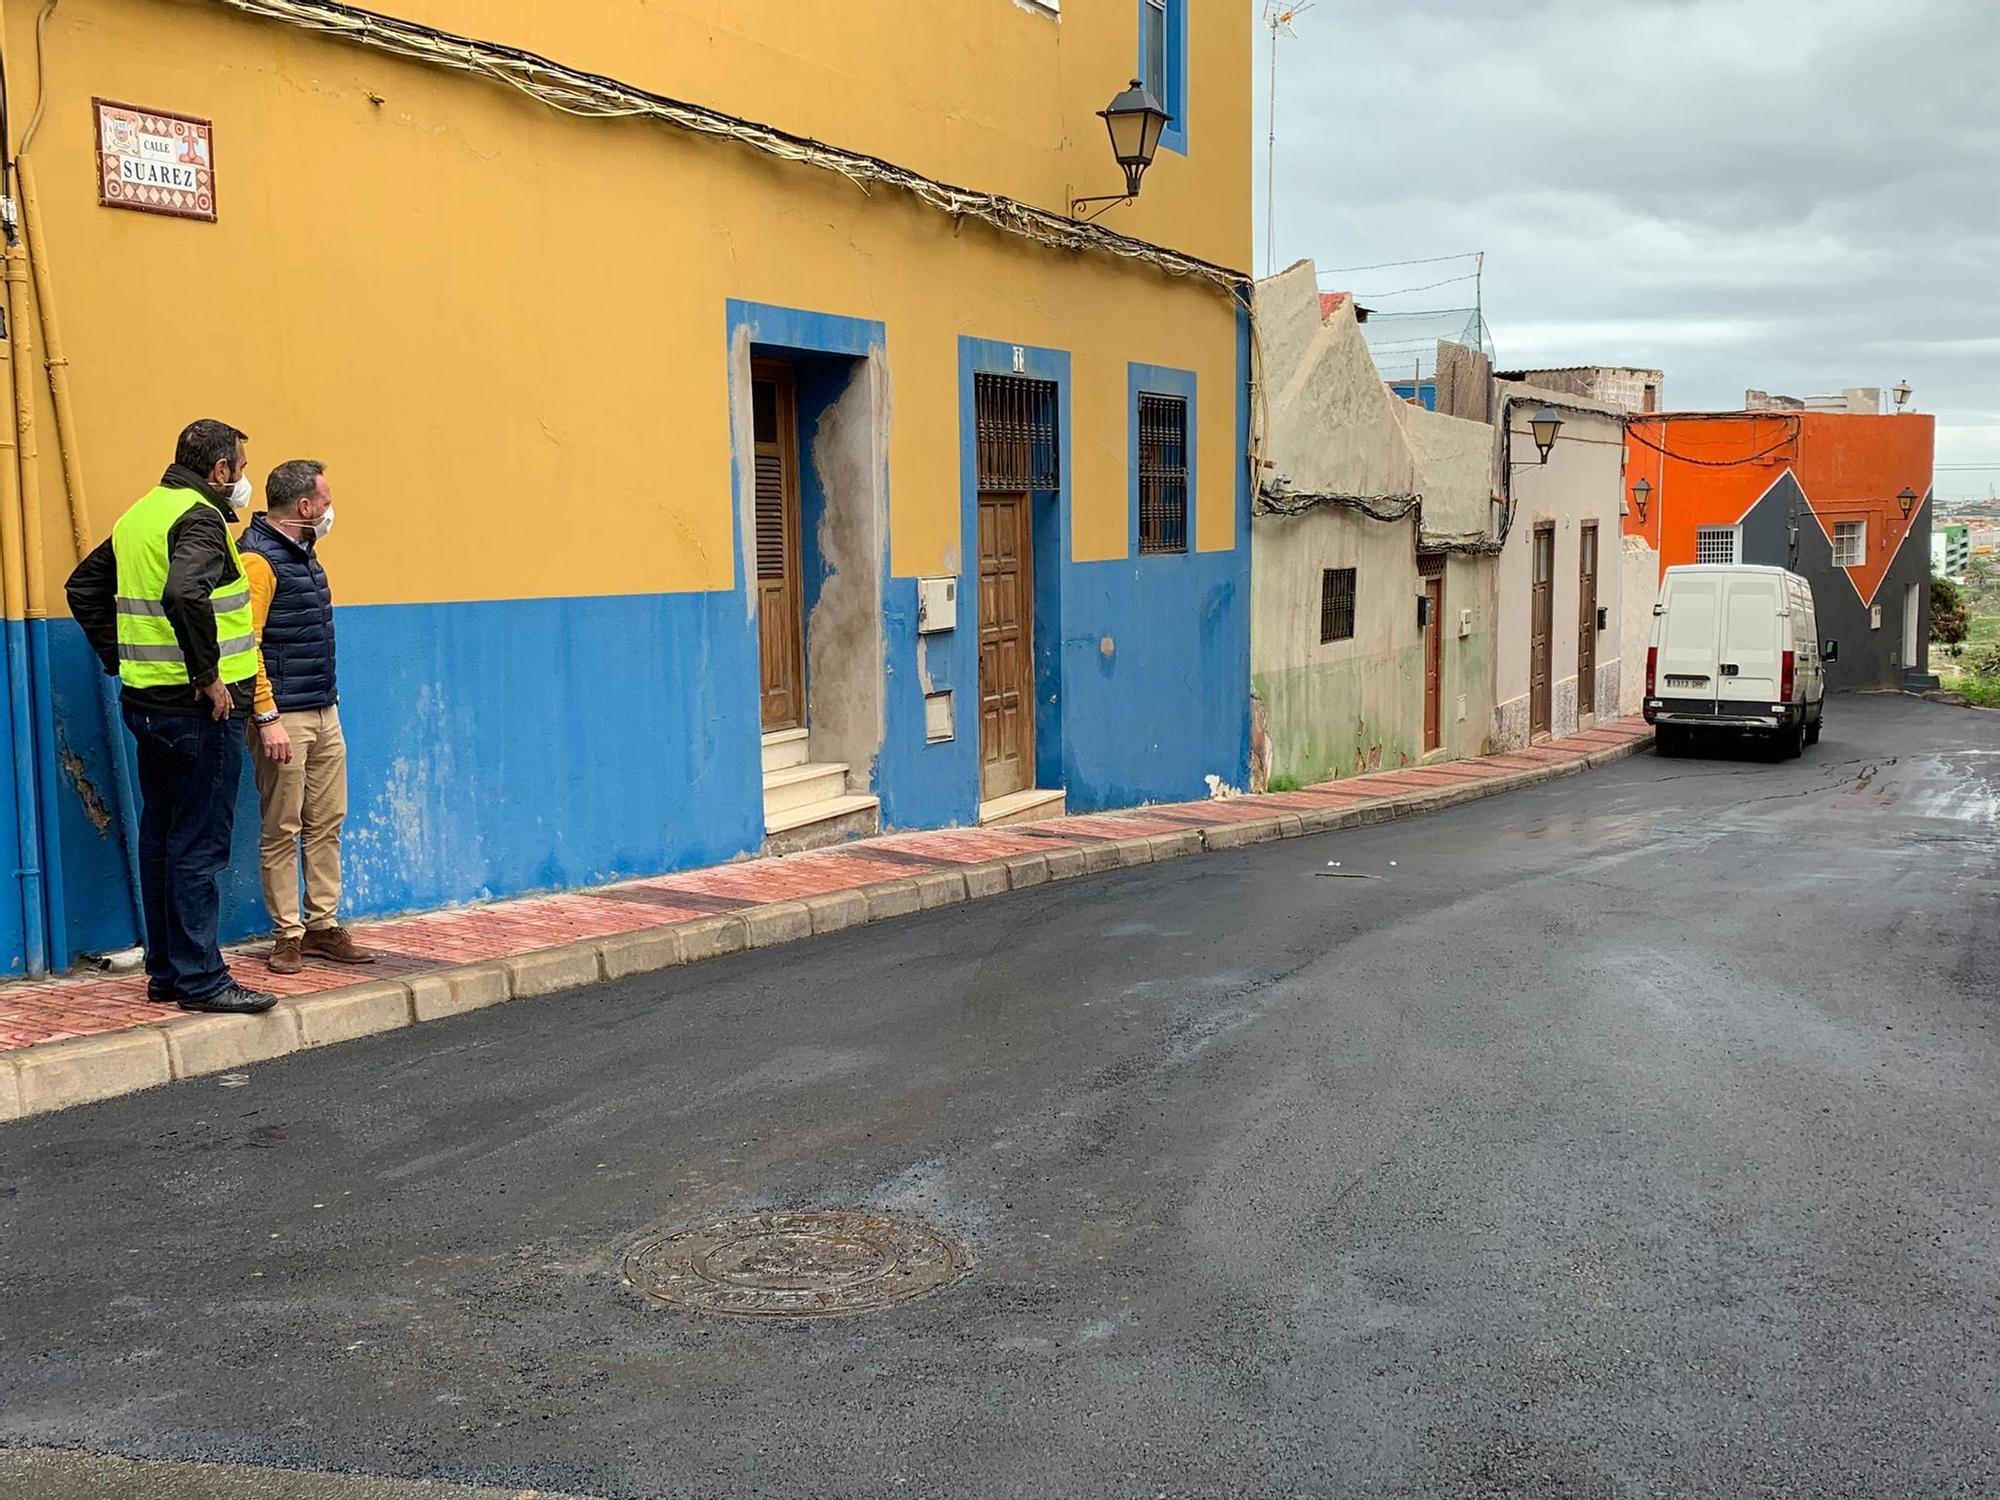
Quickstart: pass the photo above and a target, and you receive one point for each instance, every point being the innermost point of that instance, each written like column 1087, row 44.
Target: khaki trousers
column 304, row 802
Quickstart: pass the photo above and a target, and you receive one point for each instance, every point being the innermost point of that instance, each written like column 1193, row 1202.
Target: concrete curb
column 82, row 1070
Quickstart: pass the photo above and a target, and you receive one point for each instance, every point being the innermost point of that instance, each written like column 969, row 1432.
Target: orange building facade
column 1842, row 499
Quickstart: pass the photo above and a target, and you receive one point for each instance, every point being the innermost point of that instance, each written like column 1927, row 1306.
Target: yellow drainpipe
column 27, row 456
column 52, row 356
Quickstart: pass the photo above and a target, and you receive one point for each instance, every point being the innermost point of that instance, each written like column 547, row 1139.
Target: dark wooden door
column 1542, row 632
column 1434, row 663
column 1006, row 646
column 780, row 630
column 1586, row 619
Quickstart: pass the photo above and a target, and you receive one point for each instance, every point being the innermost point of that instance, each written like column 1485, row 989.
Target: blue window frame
column 1163, row 64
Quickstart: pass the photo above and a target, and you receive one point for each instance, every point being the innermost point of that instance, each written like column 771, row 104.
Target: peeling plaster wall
column 845, row 716
column 1455, row 459
column 1327, row 709
column 1582, row 481
column 1338, row 707
column 1333, row 426
column 1640, row 582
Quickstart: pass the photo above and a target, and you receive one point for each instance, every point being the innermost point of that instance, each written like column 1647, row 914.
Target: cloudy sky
column 1797, row 195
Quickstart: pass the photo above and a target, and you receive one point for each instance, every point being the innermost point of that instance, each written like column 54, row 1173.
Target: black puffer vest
column 298, row 634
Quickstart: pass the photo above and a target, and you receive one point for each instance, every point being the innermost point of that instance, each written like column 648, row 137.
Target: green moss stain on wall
column 1468, row 672
column 1339, row 718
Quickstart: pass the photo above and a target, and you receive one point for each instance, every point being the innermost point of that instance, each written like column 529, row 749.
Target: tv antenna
column 1278, row 16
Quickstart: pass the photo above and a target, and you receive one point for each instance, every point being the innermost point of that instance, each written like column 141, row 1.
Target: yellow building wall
column 502, row 327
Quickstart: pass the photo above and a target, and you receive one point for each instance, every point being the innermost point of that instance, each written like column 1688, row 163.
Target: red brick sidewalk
column 90, row 1005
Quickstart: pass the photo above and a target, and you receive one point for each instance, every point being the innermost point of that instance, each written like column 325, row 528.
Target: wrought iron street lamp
column 1907, row 500
column 1135, row 121
column 1901, row 391
column 1641, row 493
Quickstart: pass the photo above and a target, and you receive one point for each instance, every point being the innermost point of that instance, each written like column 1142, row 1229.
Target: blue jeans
column 188, row 771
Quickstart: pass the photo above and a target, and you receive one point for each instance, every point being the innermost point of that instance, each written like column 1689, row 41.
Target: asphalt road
column 1634, row 1135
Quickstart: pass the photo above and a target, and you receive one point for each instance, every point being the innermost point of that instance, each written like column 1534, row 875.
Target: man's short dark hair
column 292, row 481
column 206, row 443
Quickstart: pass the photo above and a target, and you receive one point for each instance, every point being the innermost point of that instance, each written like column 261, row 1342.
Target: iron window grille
column 1163, row 474
column 1715, row 544
column 1850, row 543
column 1336, row 605
column 1016, row 422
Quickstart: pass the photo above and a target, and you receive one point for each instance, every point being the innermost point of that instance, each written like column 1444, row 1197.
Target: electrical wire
column 1428, row 286
column 1384, row 265
column 1710, row 463
column 41, row 78
column 574, row 91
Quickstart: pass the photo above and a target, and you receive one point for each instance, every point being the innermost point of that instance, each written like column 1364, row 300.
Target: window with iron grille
column 1163, row 474
column 1016, row 421
column 1336, row 605
column 1716, row 544
column 1850, row 543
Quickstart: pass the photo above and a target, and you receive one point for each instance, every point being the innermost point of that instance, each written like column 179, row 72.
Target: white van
column 1736, row 650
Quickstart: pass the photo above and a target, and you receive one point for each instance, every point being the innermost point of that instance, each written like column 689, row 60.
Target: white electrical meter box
column 1464, row 626
column 937, row 605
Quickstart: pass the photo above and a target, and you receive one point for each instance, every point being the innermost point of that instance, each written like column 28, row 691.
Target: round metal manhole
column 797, row 1264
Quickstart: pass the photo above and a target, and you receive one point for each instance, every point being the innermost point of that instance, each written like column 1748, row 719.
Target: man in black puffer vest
column 296, row 744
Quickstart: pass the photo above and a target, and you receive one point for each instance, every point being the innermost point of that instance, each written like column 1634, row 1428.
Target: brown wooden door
column 780, row 630
column 1434, row 663
column 1542, row 631
column 1006, row 647
column 1586, row 619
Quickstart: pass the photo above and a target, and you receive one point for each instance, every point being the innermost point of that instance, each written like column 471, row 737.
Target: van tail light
column 1787, row 675
column 1653, row 671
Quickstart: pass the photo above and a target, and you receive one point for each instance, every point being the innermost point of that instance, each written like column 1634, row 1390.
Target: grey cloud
column 1799, row 196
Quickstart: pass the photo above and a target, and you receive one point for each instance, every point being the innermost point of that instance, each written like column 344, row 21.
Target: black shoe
column 231, row 1000
column 160, row 994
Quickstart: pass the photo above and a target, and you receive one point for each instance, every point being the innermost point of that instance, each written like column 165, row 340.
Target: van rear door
column 1686, row 671
column 1754, row 636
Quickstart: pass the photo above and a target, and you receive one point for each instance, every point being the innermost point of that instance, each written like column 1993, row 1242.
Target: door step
column 852, row 815
column 1030, row 806
column 801, row 785
column 784, row 748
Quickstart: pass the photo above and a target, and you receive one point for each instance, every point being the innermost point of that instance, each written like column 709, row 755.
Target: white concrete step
column 784, row 748
column 853, row 805
column 1030, row 806
column 795, row 786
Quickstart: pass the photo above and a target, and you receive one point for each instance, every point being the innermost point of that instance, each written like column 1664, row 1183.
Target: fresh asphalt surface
column 1633, row 1135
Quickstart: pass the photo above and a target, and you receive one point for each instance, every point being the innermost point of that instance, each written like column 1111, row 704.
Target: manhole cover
column 794, row 1264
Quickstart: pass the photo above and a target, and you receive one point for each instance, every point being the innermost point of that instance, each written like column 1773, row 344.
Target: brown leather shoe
column 285, row 957
column 336, row 946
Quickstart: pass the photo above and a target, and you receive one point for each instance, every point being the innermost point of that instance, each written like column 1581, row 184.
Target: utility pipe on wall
column 28, row 455
column 79, row 510
column 20, row 715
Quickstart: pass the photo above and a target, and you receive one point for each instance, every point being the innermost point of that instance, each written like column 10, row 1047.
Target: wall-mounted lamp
column 1907, row 500
column 1545, row 424
column 1641, row 493
column 1901, row 391
column 1136, row 122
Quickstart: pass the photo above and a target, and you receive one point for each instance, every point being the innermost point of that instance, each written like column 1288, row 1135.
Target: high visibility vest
column 148, row 654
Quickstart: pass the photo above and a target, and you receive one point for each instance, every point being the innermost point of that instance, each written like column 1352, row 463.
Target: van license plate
column 1686, row 681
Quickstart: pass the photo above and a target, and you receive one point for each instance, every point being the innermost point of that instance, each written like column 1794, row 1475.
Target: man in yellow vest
column 165, row 605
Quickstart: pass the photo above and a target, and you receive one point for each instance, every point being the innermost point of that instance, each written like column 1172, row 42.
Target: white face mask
column 239, row 493
column 324, row 524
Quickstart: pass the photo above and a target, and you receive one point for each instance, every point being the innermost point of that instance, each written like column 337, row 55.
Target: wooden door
column 780, row 628
column 1006, row 646
column 1542, row 631
column 1434, row 660
column 1586, row 619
